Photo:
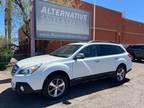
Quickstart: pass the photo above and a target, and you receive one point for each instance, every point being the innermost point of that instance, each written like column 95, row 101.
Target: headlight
column 29, row 70
column 24, row 72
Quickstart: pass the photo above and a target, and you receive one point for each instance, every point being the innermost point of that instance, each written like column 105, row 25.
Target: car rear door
column 137, row 51
column 109, row 56
column 140, row 51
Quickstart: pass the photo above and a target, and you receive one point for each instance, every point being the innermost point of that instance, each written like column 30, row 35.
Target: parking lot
column 95, row 94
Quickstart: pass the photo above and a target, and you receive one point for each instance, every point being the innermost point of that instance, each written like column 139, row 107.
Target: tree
column 0, row 2
column 8, row 19
column 4, row 42
column 21, row 8
column 5, row 52
column 23, row 12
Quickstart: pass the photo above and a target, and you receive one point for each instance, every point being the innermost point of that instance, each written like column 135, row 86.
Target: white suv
column 53, row 74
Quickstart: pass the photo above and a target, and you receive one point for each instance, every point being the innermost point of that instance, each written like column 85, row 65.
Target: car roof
column 94, row 43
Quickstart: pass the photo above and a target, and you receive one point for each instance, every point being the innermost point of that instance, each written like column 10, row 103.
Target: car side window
column 89, row 51
column 105, row 50
column 138, row 47
column 135, row 47
column 141, row 47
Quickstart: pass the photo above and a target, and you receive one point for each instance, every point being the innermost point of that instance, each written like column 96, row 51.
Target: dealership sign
column 60, row 22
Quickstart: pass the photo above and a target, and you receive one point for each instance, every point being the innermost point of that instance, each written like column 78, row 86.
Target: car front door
column 89, row 65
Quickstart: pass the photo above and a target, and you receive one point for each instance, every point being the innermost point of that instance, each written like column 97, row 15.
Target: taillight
column 130, row 56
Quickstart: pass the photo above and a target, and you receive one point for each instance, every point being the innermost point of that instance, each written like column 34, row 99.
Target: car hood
column 43, row 59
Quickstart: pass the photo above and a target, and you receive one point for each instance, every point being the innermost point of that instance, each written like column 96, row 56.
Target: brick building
column 110, row 25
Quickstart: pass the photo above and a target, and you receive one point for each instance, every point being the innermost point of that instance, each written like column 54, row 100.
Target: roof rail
column 93, row 41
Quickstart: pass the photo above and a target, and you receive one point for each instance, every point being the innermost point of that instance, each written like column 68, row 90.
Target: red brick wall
column 132, row 26
column 108, row 19
column 133, row 32
column 108, row 24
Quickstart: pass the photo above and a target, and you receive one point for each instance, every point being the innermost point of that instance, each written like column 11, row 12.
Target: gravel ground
column 97, row 94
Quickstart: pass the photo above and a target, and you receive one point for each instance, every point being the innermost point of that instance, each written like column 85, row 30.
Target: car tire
column 55, row 87
column 139, row 59
column 133, row 58
column 120, row 74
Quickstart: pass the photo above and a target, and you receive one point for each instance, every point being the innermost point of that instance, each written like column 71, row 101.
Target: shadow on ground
column 5, row 81
column 2, row 68
column 10, row 99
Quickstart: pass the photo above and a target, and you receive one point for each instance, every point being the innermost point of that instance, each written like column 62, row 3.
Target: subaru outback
column 54, row 73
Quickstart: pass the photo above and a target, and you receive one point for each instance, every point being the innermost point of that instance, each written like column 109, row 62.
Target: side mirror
column 79, row 56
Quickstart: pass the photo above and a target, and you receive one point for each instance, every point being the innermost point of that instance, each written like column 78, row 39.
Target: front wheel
column 120, row 74
column 55, row 87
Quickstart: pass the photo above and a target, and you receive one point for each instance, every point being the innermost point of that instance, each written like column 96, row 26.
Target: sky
column 1, row 20
column 131, row 9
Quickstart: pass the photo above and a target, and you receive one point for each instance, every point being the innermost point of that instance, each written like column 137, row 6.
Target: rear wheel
column 120, row 74
column 55, row 87
column 139, row 59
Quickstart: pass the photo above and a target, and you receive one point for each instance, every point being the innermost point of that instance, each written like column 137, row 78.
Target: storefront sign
column 60, row 22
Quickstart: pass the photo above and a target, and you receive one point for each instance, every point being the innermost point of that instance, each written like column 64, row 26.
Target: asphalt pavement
column 94, row 94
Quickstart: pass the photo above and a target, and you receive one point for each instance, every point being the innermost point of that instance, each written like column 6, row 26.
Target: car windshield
column 66, row 51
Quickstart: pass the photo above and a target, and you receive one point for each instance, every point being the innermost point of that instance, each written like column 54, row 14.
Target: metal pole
column 32, row 38
column 94, row 21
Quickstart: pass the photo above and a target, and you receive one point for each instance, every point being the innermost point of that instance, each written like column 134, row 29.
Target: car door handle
column 97, row 61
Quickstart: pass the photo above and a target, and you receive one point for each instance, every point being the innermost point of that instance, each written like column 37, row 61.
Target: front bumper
column 27, row 84
column 22, row 87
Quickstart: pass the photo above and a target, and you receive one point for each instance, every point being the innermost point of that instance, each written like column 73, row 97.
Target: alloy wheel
column 120, row 74
column 56, row 87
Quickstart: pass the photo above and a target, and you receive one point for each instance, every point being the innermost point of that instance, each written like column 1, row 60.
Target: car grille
column 14, row 69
